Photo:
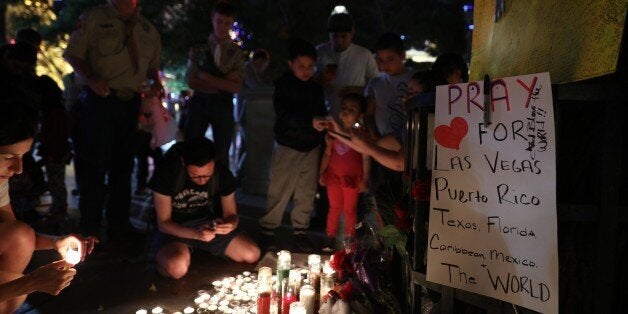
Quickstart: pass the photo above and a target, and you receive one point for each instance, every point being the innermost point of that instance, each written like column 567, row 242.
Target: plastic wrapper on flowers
column 365, row 262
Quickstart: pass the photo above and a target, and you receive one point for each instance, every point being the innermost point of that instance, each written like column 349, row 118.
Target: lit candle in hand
column 73, row 257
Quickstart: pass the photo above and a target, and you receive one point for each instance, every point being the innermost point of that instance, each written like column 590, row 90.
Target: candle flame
column 73, row 257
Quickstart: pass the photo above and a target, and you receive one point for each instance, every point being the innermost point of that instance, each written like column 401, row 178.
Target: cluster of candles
column 291, row 290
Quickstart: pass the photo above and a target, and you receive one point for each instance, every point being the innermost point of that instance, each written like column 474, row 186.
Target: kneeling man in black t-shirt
column 190, row 190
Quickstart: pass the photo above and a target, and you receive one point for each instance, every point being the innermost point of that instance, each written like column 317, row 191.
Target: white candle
column 217, row 284
column 188, row 310
column 297, row 308
column 141, row 311
column 73, row 257
column 157, row 310
column 307, row 297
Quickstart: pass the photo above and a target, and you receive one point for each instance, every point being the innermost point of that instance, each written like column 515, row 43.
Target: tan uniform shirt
column 100, row 40
column 231, row 58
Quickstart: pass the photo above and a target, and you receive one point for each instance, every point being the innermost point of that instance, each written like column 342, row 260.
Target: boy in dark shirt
column 187, row 186
column 298, row 103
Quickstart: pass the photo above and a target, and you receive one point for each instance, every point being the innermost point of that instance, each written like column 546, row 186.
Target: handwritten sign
column 573, row 40
column 492, row 222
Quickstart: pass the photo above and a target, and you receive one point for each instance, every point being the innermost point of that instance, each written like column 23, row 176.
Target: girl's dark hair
column 198, row 151
column 18, row 116
column 361, row 100
column 447, row 63
column 426, row 78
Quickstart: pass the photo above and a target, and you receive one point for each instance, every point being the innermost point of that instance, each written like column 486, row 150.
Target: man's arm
column 97, row 84
column 205, row 82
column 230, row 218
column 232, row 82
column 163, row 213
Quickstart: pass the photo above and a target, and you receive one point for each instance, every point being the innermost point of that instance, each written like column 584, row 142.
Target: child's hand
column 320, row 123
column 363, row 186
column 321, row 180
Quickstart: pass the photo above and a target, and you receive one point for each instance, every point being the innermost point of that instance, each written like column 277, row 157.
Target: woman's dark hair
column 18, row 116
column 198, row 152
column 361, row 100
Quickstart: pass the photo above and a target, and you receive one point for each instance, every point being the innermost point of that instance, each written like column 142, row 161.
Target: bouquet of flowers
column 363, row 269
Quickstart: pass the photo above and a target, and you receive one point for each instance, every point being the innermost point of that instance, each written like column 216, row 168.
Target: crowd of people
column 338, row 96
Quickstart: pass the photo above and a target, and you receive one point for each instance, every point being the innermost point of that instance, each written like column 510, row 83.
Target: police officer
column 113, row 51
column 215, row 71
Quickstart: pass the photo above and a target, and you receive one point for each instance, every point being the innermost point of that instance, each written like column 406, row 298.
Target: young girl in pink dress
column 344, row 172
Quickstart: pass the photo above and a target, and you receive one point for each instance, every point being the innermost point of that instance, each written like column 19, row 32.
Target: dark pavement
column 122, row 279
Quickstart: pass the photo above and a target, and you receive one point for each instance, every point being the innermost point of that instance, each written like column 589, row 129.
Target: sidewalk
column 123, row 280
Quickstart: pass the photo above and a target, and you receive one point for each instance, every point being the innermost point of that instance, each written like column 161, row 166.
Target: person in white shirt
column 342, row 66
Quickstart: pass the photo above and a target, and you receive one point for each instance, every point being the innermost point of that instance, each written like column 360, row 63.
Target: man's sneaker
column 329, row 244
column 301, row 242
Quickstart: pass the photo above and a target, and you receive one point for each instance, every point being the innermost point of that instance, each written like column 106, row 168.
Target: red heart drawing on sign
column 451, row 135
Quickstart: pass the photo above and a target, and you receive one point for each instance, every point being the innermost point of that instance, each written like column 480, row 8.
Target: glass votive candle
column 203, row 305
column 246, row 273
column 328, row 280
column 188, row 310
column 141, row 311
column 217, row 284
column 157, row 310
column 223, row 303
column 297, row 308
column 307, row 297
column 212, row 308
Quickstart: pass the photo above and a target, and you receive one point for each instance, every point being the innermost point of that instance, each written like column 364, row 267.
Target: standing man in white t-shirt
column 343, row 66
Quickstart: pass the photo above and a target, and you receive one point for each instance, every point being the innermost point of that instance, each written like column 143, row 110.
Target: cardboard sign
column 492, row 222
column 573, row 40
